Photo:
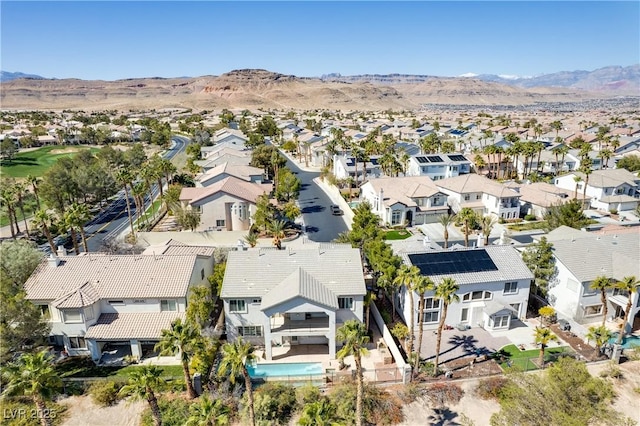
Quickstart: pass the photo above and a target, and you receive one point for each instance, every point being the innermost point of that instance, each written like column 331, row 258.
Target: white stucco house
column 583, row 256
column 95, row 300
column 344, row 166
column 292, row 297
column 608, row 189
column 537, row 198
column 482, row 195
column 438, row 166
column 494, row 287
column 398, row 200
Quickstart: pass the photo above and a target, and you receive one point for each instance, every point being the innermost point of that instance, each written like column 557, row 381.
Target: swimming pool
column 627, row 342
column 285, row 369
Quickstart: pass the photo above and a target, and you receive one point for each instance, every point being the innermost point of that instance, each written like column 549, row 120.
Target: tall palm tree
column 34, row 376
column 488, row 222
column 467, row 216
column 445, row 220
column 143, row 383
column 184, row 338
column 423, row 285
column 319, row 413
column 630, row 285
column 369, row 298
column 124, row 178
column 600, row 336
column 42, row 220
column 19, row 189
column 446, row 293
column 208, row 412
column 586, row 168
column 69, row 221
column 354, row 335
column 602, row 284
column 577, row 179
column 80, row 215
column 234, row 358
column 139, row 190
column 406, row 277
column 479, row 163
column 7, row 198
column 543, row 336
column 34, row 181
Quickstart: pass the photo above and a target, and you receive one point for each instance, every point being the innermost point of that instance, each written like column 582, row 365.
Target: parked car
column 336, row 210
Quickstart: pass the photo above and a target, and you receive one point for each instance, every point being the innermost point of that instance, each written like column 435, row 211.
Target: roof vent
column 53, row 260
column 62, row 251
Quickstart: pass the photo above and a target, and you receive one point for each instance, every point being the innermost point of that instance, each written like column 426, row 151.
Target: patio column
column 332, row 334
column 94, row 348
column 136, row 349
column 266, row 327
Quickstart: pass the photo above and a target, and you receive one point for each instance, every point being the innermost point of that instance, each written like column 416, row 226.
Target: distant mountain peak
column 8, row 76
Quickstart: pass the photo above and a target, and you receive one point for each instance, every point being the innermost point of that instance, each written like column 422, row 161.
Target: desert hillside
column 254, row 89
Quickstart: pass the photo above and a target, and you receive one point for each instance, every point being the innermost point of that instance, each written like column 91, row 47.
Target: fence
column 404, row 369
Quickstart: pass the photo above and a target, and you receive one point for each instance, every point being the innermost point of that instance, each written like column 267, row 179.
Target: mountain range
column 254, row 88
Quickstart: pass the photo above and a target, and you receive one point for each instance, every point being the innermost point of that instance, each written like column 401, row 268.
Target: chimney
column 240, row 245
column 53, row 260
column 62, row 251
column 380, row 198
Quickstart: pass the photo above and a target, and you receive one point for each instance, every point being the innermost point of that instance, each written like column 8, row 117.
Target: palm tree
column 235, row 357
column 585, row 167
column 35, row 377
column 446, row 292
column 467, row 216
column 143, row 382
column 139, row 190
column 406, row 277
column 577, row 179
column 600, row 336
column 488, row 222
column 208, row 413
column 7, row 198
column 124, row 178
column 183, row 338
column 630, row 285
column 423, row 285
column 277, row 232
column 252, row 239
column 34, row 181
column 354, row 335
column 602, row 284
column 605, row 155
column 19, row 191
column 319, row 413
column 69, row 221
column 369, row 298
column 479, row 163
column 445, row 220
column 42, row 219
column 80, row 215
column 544, row 336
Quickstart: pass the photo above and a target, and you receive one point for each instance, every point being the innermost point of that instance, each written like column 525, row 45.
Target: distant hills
column 8, row 76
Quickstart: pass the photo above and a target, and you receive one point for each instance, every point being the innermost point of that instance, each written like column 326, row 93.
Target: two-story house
column 581, row 257
column 482, row 195
column 122, row 300
column 292, row 297
column 225, row 170
column 414, row 200
column 608, row 189
column 438, row 166
column 493, row 287
column 344, row 166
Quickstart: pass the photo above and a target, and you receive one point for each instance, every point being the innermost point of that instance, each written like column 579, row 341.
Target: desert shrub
column 491, row 388
column 105, row 393
column 274, row 404
column 613, row 211
column 612, row 371
column 442, row 395
column 380, row 407
column 308, row 394
column 530, row 217
column 410, row 392
column 175, row 411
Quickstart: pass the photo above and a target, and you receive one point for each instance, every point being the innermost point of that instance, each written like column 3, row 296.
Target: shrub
column 530, row 217
column 612, row 371
column 380, row 407
column 410, row 392
column 308, row 394
column 274, row 404
column 613, row 211
column 491, row 388
column 386, row 317
column 443, row 394
column 105, row 393
column 175, row 412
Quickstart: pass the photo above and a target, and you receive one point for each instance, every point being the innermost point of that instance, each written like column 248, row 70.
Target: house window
column 620, row 292
column 395, row 217
column 431, row 316
column 478, row 196
column 77, row 343
column 501, row 321
column 466, row 197
column 431, row 312
column 257, row 300
column 116, row 302
column 202, row 274
column 592, row 310
column 516, row 308
column 510, row 288
column 44, row 310
column 168, row 306
column 464, row 315
column 220, row 222
column 431, row 303
column 345, row 302
column 250, row 330
column 237, row 305
column 477, row 295
column 72, row 315
column 139, row 301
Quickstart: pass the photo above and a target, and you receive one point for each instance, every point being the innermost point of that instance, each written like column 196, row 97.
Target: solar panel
column 435, row 159
column 422, row 160
column 453, row 262
column 373, row 161
column 457, row 158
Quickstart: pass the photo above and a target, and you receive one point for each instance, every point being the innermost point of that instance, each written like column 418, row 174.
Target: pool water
column 627, row 342
column 285, row 369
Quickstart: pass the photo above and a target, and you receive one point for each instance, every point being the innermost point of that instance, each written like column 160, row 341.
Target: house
column 609, row 189
column 228, row 204
column 583, row 256
column 345, row 166
column 493, row 287
column 483, row 195
column 292, row 297
column 438, row 166
column 121, row 300
column 228, row 136
column 225, row 170
column 414, row 200
column 536, row 198
column 225, row 155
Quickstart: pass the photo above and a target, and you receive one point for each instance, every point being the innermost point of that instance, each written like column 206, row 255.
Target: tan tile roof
column 86, row 295
column 240, row 171
column 464, row 184
column 404, row 189
column 140, row 326
column 545, row 195
column 231, row 185
column 122, row 277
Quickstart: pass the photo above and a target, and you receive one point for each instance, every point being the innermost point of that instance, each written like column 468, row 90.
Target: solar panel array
column 453, row 262
column 422, row 160
column 435, row 159
column 457, row 158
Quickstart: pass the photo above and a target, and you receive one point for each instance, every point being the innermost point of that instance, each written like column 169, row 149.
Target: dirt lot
column 82, row 411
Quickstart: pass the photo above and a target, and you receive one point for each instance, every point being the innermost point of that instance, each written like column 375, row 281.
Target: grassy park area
column 38, row 161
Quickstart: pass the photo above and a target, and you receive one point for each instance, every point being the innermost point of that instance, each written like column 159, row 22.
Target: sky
column 121, row 39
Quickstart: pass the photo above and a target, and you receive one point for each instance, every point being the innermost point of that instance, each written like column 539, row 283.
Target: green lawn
column 84, row 367
column 528, row 226
column 39, row 161
column 523, row 360
column 397, row 234
column 147, row 217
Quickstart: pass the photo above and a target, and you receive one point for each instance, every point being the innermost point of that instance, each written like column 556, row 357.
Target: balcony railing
column 313, row 325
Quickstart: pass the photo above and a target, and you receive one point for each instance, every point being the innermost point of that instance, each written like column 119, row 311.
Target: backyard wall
column 403, row 368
